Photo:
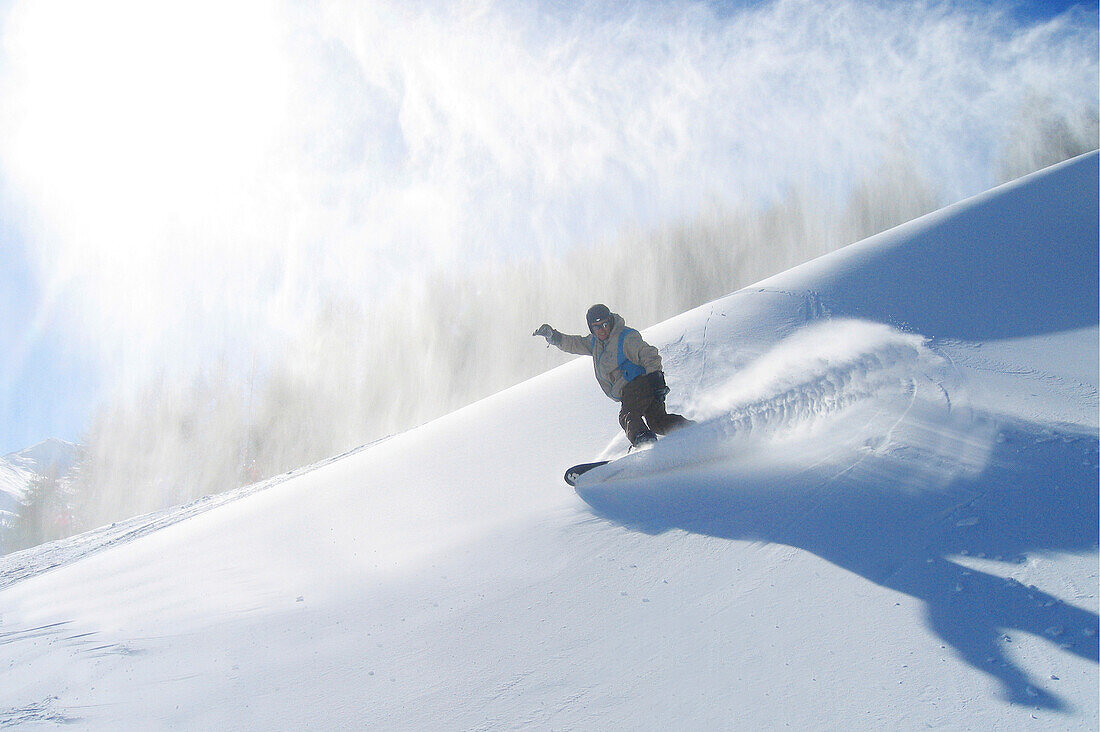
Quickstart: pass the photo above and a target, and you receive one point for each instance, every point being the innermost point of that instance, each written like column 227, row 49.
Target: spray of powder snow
column 818, row 371
column 341, row 220
column 836, row 397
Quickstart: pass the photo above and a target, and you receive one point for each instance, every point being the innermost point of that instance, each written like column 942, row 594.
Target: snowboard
column 577, row 471
column 648, row 440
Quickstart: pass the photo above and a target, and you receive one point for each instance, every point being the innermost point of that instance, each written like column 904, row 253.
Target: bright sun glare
column 146, row 105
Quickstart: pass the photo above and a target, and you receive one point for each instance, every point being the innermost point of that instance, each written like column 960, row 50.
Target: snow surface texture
column 886, row 518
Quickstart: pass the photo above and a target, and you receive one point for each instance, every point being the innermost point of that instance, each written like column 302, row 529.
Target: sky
column 162, row 209
column 47, row 388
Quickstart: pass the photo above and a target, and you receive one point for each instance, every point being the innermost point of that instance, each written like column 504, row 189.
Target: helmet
column 597, row 312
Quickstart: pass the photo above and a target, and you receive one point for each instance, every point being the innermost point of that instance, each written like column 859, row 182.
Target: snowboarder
column 627, row 368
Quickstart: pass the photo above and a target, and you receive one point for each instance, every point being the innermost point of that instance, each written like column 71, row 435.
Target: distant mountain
column 51, row 457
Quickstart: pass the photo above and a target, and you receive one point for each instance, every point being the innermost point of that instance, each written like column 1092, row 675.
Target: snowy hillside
column 48, row 458
column 13, row 484
column 887, row 518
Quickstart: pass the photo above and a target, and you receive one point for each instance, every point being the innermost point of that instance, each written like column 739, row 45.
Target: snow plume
column 836, row 397
column 819, row 370
column 881, row 396
column 345, row 218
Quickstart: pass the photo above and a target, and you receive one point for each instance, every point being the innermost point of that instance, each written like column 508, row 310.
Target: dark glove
column 657, row 381
column 552, row 336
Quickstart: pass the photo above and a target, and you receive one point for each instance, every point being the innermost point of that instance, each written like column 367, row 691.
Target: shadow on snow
column 1039, row 493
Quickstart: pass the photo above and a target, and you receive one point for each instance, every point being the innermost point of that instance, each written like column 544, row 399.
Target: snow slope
column 13, row 485
column 887, row 518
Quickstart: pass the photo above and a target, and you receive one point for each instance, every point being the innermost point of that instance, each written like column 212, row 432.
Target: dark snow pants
column 641, row 409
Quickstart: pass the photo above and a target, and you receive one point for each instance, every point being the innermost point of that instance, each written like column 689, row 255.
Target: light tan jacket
column 605, row 354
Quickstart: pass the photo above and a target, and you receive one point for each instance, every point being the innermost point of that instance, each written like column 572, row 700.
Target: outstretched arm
column 568, row 343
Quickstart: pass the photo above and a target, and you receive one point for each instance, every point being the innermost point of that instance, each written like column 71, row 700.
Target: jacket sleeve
column 580, row 345
column 641, row 353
